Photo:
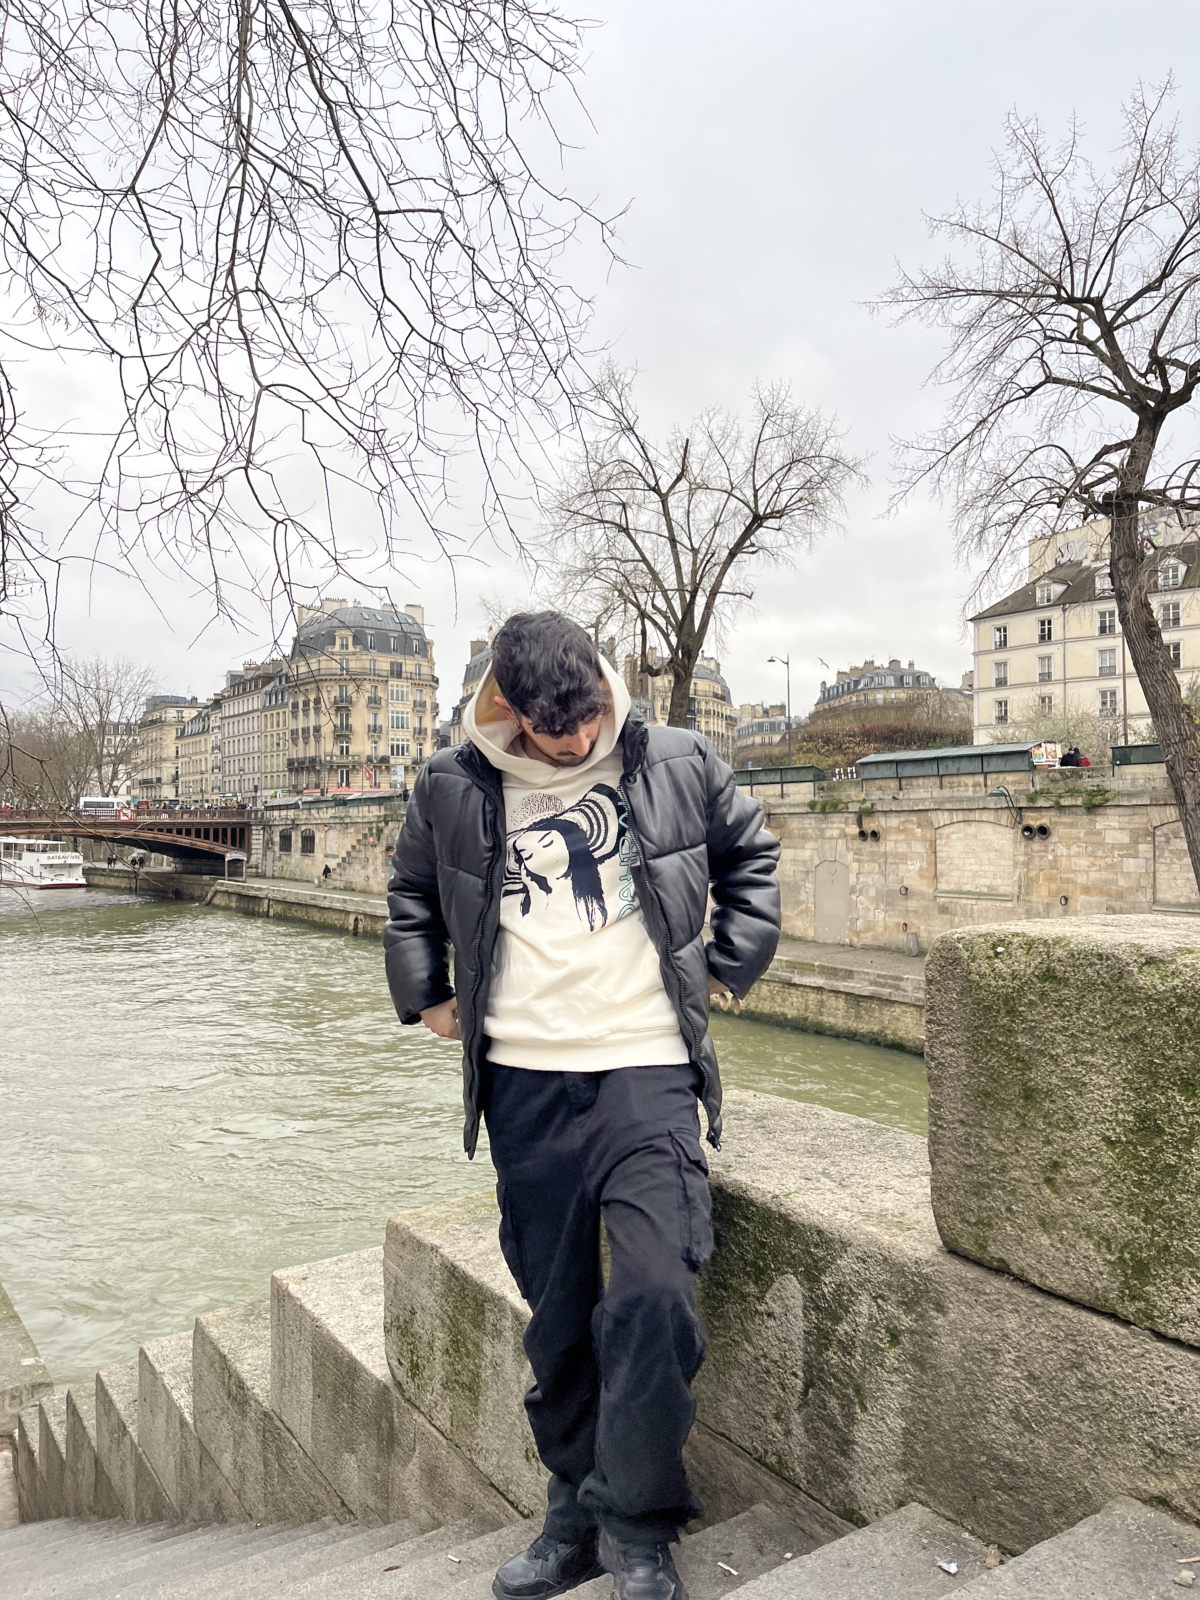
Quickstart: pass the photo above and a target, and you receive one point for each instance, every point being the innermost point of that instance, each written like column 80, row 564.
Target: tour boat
column 40, row 864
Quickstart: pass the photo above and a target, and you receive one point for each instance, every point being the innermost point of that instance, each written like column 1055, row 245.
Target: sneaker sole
column 502, row 1593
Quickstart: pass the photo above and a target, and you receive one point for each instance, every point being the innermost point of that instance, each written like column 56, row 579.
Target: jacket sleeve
column 742, row 862
column 416, row 942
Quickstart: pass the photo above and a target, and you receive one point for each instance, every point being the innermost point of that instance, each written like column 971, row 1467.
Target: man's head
column 551, row 682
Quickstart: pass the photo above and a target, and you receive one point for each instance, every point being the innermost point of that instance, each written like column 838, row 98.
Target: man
column 566, row 851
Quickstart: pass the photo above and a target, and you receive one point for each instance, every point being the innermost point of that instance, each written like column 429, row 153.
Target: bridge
column 212, row 837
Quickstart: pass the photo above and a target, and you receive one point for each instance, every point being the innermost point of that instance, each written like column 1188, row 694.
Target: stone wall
column 897, row 860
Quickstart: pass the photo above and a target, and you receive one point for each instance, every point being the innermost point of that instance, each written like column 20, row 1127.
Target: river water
column 192, row 1098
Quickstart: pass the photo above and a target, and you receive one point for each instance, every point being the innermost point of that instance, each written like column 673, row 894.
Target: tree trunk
column 1178, row 734
column 681, row 694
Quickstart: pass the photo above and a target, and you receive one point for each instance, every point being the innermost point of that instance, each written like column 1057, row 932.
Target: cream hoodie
column 576, row 985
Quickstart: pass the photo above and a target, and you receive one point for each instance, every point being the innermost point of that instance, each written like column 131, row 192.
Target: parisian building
column 363, row 698
column 866, row 688
column 158, row 754
column 242, row 728
column 1055, row 645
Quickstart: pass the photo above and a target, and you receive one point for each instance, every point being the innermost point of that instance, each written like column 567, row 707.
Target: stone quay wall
column 895, row 864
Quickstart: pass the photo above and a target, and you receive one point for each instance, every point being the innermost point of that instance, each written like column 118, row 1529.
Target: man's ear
column 505, row 709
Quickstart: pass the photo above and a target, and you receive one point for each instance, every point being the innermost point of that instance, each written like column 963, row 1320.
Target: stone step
column 1127, row 1551
column 197, row 1489
column 331, row 1387
column 52, row 1454
column 81, row 1546
column 897, row 1558
column 183, row 1555
column 431, row 1573
column 25, row 1461
column 84, row 1494
column 138, row 1495
column 252, row 1449
column 714, row 1562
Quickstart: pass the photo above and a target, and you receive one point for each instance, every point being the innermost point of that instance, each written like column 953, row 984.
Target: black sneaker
column 641, row 1571
column 546, row 1568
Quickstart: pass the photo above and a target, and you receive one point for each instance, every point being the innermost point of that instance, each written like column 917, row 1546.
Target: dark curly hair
column 548, row 669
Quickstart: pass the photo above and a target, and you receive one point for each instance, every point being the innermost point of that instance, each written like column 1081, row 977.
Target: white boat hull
column 39, row 864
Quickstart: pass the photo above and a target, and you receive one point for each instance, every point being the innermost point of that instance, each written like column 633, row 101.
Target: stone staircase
column 364, row 866
column 1126, row 1552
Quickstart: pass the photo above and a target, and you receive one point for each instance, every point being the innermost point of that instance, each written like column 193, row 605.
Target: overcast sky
column 776, row 158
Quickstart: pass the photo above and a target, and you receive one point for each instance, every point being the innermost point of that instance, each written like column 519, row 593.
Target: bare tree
column 1071, row 302
column 308, row 248
column 657, row 543
column 79, row 737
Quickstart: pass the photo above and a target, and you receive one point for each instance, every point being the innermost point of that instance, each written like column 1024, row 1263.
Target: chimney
column 249, row 666
column 417, row 613
column 910, row 666
column 328, row 607
column 477, row 645
column 894, row 664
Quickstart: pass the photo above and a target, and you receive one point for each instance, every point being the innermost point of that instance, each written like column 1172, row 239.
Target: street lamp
column 786, row 661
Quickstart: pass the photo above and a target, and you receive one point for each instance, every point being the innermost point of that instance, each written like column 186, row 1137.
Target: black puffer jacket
column 694, row 828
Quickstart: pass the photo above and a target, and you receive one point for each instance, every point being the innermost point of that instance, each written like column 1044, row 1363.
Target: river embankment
column 876, row 996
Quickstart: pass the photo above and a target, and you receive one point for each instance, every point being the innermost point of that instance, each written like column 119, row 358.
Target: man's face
column 568, row 750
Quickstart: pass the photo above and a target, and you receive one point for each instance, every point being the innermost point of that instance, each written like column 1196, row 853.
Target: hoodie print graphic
column 572, row 859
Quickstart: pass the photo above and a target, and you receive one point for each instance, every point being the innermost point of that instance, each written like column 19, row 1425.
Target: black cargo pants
column 611, row 1403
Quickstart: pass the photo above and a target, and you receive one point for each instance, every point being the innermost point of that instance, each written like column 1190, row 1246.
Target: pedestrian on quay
column 566, row 851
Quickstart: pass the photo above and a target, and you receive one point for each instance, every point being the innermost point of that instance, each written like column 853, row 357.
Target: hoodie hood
column 493, row 734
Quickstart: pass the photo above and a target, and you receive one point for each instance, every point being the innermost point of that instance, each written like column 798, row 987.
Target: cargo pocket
column 695, row 1202
column 510, row 1246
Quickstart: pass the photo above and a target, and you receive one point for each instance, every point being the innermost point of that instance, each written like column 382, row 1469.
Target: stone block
column 23, row 1375
column 136, row 1492
column 85, row 1495
column 25, row 1461
column 1064, row 1080
column 446, row 1286
column 331, row 1386
column 197, row 1490
column 852, row 1357
column 258, row 1457
column 52, row 1454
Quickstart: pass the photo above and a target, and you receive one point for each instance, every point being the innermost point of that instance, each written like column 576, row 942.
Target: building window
column 398, row 721
column 1000, row 680
column 1168, row 615
column 343, row 694
column 1045, row 669
column 308, row 842
column 1106, row 663
column 285, row 841
column 372, row 669
column 344, row 668
column 1108, row 702
column 343, row 721
column 373, row 722
column 398, row 694
column 370, row 641
column 1000, row 712
column 420, row 752
column 343, row 748
column 1045, row 594
column 343, row 777
column 1104, row 584
column 399, row 747
column 1106, row 622
column 1175, row 651
column 1045, row 704
column 393, row 644
column 374, row 749
column 344, row 642
column 396, row 669
column 1000, row 637
column 1170, row 575
column 1045, row 630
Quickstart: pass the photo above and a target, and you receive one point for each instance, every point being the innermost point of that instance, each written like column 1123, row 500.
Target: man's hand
column 443, row 1019
column 723, row 995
